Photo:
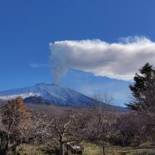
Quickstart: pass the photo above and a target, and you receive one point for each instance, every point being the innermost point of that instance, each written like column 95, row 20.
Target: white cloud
column 117, row 60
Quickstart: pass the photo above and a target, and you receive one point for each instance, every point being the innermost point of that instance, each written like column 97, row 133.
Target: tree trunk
column 103, row 150
column 3, row 152
column 14, row 149
column 61, row 145
column 61, row 149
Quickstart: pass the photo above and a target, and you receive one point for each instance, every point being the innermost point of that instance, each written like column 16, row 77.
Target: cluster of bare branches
column 50, row 126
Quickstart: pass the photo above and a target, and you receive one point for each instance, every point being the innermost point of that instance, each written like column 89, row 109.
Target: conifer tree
column 143, row 89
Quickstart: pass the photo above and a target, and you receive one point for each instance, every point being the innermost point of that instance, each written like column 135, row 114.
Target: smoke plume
column 117, row 60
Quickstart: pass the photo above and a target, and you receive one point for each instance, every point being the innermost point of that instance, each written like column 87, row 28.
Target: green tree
column 143, row 90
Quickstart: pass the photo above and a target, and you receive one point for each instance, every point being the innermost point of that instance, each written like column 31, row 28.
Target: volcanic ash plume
column 58, row 63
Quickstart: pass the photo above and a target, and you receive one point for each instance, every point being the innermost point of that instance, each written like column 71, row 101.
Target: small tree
column 99, row 128
column 15, row 122
column 62, row 129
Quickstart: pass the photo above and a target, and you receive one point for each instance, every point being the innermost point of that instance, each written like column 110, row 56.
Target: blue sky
column 28, row 26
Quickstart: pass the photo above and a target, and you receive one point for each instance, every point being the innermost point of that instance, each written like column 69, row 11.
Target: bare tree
column 15, row 123
column 62, row 129
column 99, row 127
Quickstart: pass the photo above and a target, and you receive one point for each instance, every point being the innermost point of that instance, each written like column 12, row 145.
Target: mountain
column 49, row 94
column 38, row 100
column 91, row 85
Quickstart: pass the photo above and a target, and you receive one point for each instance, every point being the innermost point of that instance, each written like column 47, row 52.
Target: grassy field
column 91, row 149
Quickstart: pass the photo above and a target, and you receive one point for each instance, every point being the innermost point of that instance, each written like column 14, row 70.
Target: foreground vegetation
column 91, row 149
column 33, row 129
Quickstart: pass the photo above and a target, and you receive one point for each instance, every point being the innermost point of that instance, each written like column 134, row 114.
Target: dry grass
column 92, row 149
column 30, row 150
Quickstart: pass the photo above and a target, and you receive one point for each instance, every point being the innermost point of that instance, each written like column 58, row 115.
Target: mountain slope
column 90, row 85
column 54, row 94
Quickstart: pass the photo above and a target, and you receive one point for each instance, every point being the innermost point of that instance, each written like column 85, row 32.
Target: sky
column 27, row 27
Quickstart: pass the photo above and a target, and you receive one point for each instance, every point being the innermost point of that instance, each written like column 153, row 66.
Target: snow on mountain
column 50, row 92
column 23, row 95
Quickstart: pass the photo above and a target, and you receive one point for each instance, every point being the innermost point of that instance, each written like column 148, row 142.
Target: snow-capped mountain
column 54, row 94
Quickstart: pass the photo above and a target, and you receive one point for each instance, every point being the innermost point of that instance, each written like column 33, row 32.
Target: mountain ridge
column 50, row 92
column 43, row 93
